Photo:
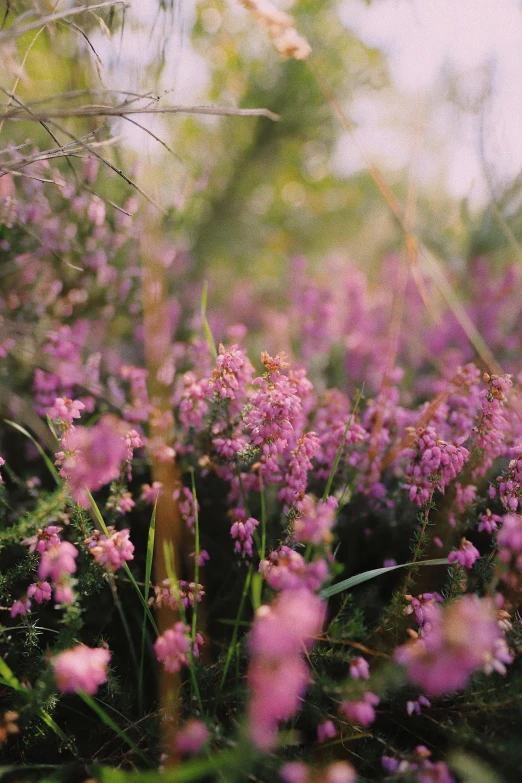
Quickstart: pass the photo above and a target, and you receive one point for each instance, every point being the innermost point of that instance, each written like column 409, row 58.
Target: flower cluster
column 174, row 647
column 456, row 642
column 277, row 674
column 111, row 552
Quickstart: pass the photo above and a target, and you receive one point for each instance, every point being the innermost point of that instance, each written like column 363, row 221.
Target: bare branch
column 16, row 30
column 120, row 111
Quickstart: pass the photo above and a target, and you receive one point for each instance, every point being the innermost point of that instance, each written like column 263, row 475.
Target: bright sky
column 478, row 41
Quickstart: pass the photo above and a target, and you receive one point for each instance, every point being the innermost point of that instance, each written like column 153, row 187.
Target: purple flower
column 363, row 711
column 326, row 730
column 40, row 591
column 359, row 668
column 315, row 521
column 81, row 669
column 286, row 569
column 465, row 556
column 95, row 457
column 172, row 648
column 456, row 642
column 57, row 561
column 22, row 606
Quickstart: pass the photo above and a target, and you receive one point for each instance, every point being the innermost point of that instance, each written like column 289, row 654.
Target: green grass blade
column 148, row 574
column 51, row 467
column 100, row 712
column 126, row 568
column 237, row 622
column 196, row 560
column 358, row 579
column 206, row 325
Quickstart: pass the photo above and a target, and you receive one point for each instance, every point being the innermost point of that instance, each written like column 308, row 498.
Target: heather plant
column 305, row 639
column 260, row 539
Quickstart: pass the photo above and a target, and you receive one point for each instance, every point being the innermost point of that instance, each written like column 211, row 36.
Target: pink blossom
column 416, row 706
column 489, row 522
column 315, row 522
column 95, row 457
column 113, row 552
column 326, row 731
column 295, row 772
column 359, row 668
column 66, row 409
column 338, row 772
column 81, row 669
column 362, row 712
column 295, row 478
column 22, row 606
column 172, row 648
column 456, row 642
column 44, row 539
column 431, row 464
column 186, row 505
column 277, row 674
column 63, row 592
column 466, row 555
column 40, row 591
column 274, row 409
column 242, row 531
column 192, row 737
column 232, row 374
column 165, row 594
column 419, row 605
column 150, row 493
column 58, row 561
column 286, row 569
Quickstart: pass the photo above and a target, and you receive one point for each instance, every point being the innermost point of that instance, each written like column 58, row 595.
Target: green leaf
column 365, row 576
column 148, row 574
column 44, row 456
column 206, row 325
column 126, row 568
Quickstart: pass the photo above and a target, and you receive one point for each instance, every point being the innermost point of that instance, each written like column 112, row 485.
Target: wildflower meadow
column 260, row 508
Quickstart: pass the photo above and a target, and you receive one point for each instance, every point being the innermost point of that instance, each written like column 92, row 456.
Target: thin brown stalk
column 169, row 526
column 120, row 111
column 16, row 30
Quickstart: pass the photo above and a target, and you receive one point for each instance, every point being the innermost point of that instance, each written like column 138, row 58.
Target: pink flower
column 112, row 553
column 339, row 772
column 295, row 772
column 151, row 493
column 278, row 675
column 81, row 669
column 40, row 591
column 22, row 606
column 172, row 648
column 316, row 520
column 95, row 457
column 57, row 561
column 362, row 712
column 359, row 667
column 44, row 539
column 66, row 409
column 286, row 569
column 466, row 555
column 192, row 737
column 326, row 730
column 63, row 592
column 456, row 642
column 242, row 530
